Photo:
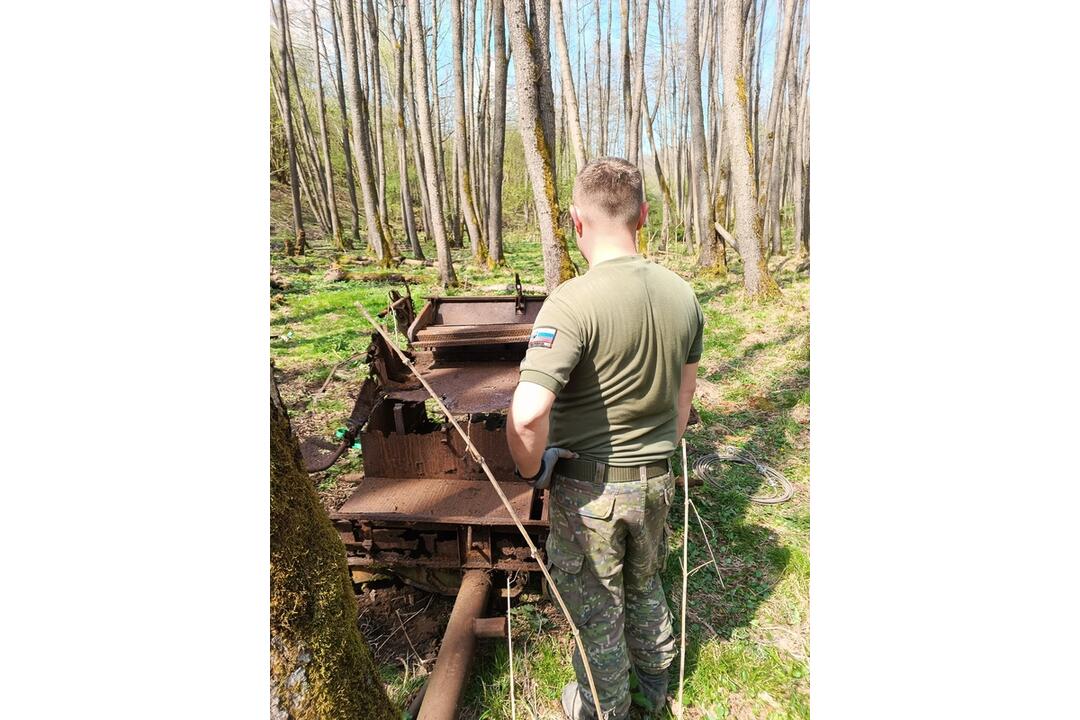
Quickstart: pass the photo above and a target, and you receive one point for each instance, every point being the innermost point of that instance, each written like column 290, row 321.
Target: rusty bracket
column 519, row 302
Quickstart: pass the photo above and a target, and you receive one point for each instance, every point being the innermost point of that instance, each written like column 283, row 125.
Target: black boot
column 574, row 705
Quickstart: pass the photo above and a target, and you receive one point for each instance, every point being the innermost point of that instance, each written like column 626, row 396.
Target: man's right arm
column 687, row 386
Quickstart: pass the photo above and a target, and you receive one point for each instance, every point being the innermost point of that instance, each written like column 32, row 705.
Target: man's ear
column 644, row 214
column 577, row 220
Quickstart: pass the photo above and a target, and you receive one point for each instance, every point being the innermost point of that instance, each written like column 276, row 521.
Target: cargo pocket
column 564, row 562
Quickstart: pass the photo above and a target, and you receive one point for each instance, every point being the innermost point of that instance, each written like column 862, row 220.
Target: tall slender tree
column 397, row 27
column 461, row 141
column 375, row 63
column 354, row 230
column 297, row 245
column 641, row 32
column 498, row 136
column 757, row 282
column 570, row 102
column 377, row 237
column 427, row 137
column 324, row 140
column 704, row 218
column 529, row 46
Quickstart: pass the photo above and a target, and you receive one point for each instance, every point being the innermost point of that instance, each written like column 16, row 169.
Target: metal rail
column 455, row 654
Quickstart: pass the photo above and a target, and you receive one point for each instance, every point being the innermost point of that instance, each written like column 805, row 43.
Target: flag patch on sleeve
column 542, row 337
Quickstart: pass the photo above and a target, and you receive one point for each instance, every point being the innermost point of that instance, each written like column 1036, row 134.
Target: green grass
column 748, row 640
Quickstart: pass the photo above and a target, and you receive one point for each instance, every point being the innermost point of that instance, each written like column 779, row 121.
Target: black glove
column 547, row 467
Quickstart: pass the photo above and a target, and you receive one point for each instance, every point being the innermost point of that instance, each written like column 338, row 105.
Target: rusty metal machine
column 425, row 511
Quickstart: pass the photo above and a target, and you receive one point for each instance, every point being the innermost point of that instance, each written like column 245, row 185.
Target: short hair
column 611, row 185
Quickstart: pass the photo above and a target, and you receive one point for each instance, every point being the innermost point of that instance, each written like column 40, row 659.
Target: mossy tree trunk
column 320, row 666
column 539, row 156
column 756, row 279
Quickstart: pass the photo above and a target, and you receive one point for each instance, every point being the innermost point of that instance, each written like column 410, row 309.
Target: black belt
column 591, row 471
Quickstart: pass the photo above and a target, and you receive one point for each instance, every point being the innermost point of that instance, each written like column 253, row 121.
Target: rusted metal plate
column 466, row 387
column 444, row 336
column 484, row 310
column 442, row 500
column 437, row 453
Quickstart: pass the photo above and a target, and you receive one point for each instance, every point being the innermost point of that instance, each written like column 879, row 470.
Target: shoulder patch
column 542, row 337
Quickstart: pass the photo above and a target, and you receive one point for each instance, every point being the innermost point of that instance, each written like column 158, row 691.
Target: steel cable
column 707, row 468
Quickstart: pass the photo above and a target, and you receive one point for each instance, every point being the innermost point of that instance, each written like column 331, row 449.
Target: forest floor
column 747, row 636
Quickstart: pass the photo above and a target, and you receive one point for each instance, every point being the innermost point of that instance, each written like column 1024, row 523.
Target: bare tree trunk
column 413, row 129
column 776, row 99
column 624, row 68
column 528, row 44
column 641, row 30
column 297, row 245
column 569, row 94
column 438, row 229
column 708, row 257
column 320, row 665
column 802, row 162
column 331, row 197
column 377, row 109
column 498, row 137
column 354, row 233
column 407, row 218
column 601, row 139
column 376, row 233
column 309, row 163
column 448, row 199
column 461, row 142
column 756, row 279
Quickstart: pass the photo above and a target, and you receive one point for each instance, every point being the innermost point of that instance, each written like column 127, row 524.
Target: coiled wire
column 706, row 468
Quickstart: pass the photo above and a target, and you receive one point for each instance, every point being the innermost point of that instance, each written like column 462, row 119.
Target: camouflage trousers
column 606, row 548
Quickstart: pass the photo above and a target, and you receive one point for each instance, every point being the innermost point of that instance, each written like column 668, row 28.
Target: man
column 603, row 399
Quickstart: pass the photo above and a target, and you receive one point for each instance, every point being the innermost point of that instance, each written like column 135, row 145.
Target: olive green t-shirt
column 611, row 345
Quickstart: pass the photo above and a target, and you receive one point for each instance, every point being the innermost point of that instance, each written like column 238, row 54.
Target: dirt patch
column 401, row 622
column 334, row 497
